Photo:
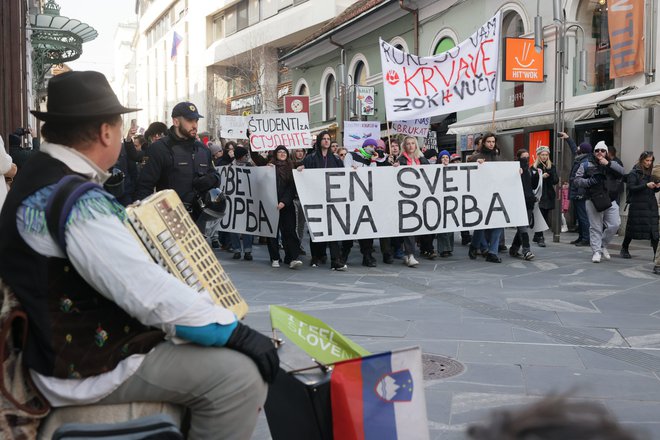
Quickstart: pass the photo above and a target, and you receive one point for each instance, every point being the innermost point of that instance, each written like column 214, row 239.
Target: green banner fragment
column 314, row 337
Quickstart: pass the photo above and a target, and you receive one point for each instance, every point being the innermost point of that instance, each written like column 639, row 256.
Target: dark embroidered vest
column 73, row 331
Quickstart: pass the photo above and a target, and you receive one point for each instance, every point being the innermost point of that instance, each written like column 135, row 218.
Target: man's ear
column 105, row 134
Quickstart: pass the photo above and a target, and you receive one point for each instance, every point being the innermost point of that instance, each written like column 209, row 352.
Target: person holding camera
column 600, row 177
column 179, row 161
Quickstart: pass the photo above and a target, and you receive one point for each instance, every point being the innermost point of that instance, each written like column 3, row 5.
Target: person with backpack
column 179, row 161
column 102, row 314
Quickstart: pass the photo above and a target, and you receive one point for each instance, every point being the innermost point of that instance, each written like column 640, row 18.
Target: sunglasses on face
column 600, row 150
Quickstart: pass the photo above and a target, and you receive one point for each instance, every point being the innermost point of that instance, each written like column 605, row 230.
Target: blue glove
column 208, row 335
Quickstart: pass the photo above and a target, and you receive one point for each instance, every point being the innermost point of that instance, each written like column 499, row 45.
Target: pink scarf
column 414, row 161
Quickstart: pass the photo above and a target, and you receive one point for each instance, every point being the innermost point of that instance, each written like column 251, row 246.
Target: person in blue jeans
column 486, row 240
column 241, row 159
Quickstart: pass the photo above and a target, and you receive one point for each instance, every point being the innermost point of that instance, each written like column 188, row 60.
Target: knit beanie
column 542, row 148
column 240, row 152
column 444, row 153
column 585, row 148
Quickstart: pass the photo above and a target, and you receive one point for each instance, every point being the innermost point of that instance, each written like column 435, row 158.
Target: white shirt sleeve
column 107, row 256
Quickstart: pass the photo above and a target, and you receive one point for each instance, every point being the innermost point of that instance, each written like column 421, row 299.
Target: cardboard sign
column 273, row 129
column 233, row 127
column 415, row 127
column 355, row 133
column 371, row 202
column 461, row 78
column 251, row 200
column 523, row 63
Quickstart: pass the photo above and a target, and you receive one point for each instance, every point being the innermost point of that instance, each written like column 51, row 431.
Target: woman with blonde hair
column 411, row 155
column 543, row 166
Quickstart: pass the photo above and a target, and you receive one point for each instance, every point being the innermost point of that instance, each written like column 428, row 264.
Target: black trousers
column 290, row 241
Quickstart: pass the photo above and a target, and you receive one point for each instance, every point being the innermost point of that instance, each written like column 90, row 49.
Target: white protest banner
column 233, row 127
column 355, row 132
column 273, row 129
column 461, row 78
column 415, row 127
column 403, row 201
column 251, row 200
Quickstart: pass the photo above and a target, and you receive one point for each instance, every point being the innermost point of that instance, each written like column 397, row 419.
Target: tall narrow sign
column 625, row 23
column 461, row 78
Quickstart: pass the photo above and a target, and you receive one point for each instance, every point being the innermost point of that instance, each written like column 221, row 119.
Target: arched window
column 330, row 98
column 512, row 94
column 360, row 74
column 303, row 90
column 443, row 45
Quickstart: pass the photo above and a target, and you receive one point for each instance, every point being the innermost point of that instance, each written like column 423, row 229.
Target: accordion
column 166, row 231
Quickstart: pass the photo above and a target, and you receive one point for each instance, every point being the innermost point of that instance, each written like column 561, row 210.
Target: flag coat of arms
column 379, row 397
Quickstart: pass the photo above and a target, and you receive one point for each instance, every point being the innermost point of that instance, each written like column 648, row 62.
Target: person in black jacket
column 548, row 194
column 286, row 191
column 179, row 161
column 577, row 195
column 322, row 157
column 643, row 206
column 522, row 233
column 598, row 175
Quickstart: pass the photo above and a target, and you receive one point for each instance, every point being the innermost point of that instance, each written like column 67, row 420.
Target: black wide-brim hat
column 80, row 96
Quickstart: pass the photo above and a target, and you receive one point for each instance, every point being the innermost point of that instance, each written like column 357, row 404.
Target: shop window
column 592, row 16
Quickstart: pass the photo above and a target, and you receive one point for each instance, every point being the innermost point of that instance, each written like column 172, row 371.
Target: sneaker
column 275, row 263
column 582, row 243
column 237, row 256
column 625, row 254
column 338, row 266
column 369, row 261
column 314, row 263
column 596, row 257
column 513, row 251
column 576, row 241
column 528, row 255
column 215, row 243
column 541, row 242
column 295, row 264
column 430, row 255
column 492, row 258
column 606, row 254
column 247, row 256
column 411, row 261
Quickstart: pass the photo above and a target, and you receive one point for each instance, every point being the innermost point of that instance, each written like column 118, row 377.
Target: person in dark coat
column 322, row 157
column 642, row 204
column 286, row 191
column 548, row 194
column 522, row 233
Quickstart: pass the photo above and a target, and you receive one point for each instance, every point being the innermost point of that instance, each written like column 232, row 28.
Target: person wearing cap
column 577, row 195
column 179, row 161
column 543, row 167
column 364, row 156
column 598, row 174
column 101, row 312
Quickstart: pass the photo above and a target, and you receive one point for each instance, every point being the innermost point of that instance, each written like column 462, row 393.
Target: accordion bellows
column 167, row 232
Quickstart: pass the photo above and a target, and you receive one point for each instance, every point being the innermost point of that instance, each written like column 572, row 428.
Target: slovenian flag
column 176, row 40
column 379, row 397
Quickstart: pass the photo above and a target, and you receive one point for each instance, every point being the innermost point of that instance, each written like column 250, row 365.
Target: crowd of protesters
column 593, row 192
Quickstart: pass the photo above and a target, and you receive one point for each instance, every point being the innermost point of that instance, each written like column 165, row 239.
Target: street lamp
column 561, row 28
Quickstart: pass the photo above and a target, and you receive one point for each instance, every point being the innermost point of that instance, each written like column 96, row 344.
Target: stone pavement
column 522, row 329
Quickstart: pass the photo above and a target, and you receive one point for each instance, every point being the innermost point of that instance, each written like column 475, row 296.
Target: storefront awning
column 643, row 97
column 575, row 108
